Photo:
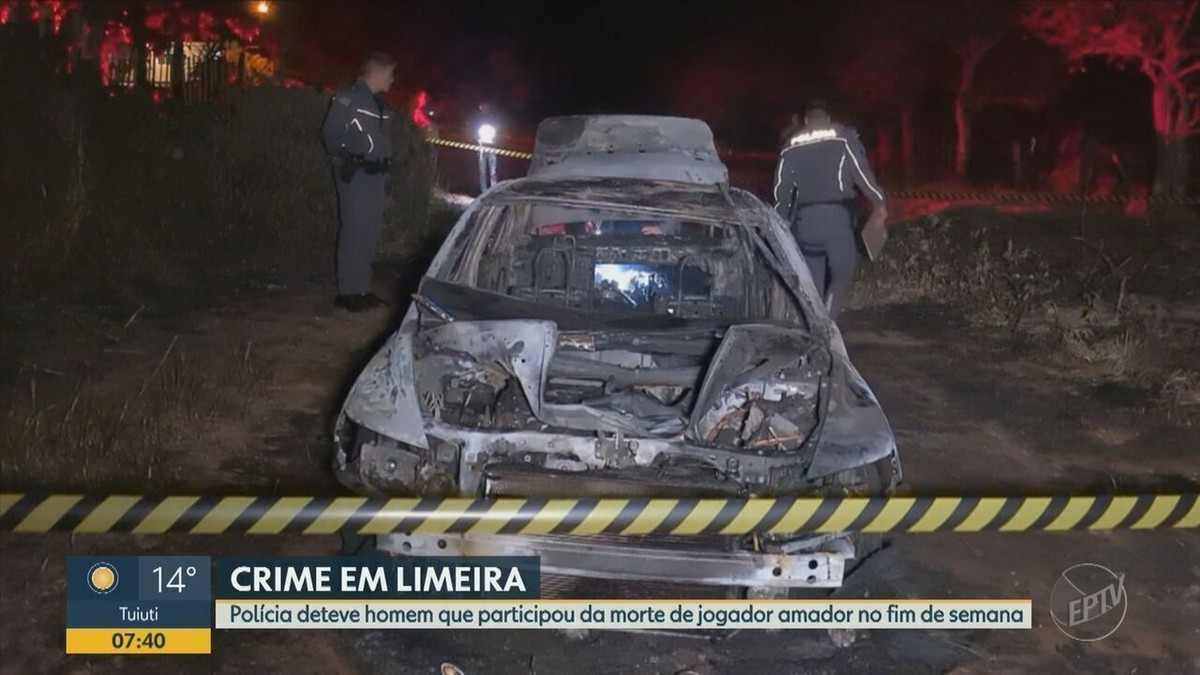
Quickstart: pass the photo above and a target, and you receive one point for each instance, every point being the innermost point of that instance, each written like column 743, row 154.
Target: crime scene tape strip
column 982, row 197
column 483, row 148
column 1040, row 197
column 134, row 514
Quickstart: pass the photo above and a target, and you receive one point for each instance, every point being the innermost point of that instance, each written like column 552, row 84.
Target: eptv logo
column 1097, row 604
column 1088, row 602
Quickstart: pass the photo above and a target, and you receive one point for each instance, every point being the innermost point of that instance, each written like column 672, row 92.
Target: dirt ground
column 236, row 393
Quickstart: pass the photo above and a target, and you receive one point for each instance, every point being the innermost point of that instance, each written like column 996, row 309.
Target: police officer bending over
column 357, row 136
column 819, row 168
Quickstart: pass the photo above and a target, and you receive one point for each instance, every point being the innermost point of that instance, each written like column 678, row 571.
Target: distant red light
column 243, row 32
column 115, row 34
column 419, row 117
column 56, row 16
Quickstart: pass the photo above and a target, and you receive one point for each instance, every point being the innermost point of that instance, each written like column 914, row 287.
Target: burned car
column 620, row 323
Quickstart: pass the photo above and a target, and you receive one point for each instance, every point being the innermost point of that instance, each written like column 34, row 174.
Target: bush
column 1071, row 296
column 115, row 194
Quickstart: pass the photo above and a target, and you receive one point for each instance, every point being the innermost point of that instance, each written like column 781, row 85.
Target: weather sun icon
column 102, row 578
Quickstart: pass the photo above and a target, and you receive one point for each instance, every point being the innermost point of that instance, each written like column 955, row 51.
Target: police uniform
column 819, row 168
column 357, row 136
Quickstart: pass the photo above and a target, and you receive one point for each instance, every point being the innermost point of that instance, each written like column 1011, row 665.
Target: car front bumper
column 667, row 559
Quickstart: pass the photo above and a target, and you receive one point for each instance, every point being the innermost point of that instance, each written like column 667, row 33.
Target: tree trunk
column 1170, row 172
column 971, row 56
column 906, row 145
column 43, row 14
column 962, row 146
column 883, row 152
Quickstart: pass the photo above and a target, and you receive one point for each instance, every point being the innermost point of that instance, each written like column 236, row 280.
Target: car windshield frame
column 743, row 216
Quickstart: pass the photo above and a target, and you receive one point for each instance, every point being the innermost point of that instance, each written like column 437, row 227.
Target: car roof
column 668, row 198
column 644, row 147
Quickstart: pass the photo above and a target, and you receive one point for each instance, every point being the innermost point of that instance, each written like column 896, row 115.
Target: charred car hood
column 739, row 387
column 755, row 388
column 761, row 377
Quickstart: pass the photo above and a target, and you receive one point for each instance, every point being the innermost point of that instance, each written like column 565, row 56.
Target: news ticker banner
column 171, row 604
column 164, row 605
column 84, row 514
column 928, row 614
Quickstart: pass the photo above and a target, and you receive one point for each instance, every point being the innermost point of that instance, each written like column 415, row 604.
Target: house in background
column 185, row 50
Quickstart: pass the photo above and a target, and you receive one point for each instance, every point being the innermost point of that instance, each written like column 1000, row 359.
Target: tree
column 887, row 72
column 1152, row 36
column 971, row 51
column 975, row 29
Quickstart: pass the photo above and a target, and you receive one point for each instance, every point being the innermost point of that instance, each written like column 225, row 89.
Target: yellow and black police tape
column 481, row 148
column 937, row 195
column 634, row 516
column 1040, row 197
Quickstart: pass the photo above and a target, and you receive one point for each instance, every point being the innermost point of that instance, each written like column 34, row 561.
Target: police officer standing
column 820, row 166
column 357, row 136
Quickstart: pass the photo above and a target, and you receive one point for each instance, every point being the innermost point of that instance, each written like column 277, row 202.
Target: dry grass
column 1122, row 356
column 85, row 430
column 1074, row 301
column 1181, row 388
column 120, row 203
column 121, row 198
column 937, row 260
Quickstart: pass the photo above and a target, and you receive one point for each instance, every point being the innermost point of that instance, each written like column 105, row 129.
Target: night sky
column 540, row 58
column 743, row 67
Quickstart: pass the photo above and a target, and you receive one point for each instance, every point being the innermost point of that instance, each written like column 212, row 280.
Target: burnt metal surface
column 856, row 431
column 527, row 480
column 384, row 398
column 516, row 348
column 635, row 197
column 627, row 146
column 745, row 390
column 762, row 389
column 597, row 558
column 758, row 474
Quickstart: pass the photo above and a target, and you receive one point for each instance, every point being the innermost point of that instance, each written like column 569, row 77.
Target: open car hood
column 759, row 390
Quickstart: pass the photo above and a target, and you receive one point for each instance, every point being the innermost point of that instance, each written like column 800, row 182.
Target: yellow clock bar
column 139, row 640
